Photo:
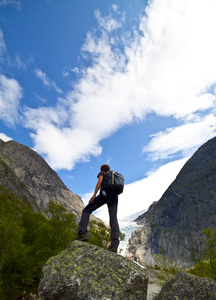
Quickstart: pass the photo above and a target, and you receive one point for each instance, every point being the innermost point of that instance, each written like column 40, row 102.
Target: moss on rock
column 188, row 287
column 84, row 271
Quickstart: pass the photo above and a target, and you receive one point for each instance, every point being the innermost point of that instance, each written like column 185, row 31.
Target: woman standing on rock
column 95, row 202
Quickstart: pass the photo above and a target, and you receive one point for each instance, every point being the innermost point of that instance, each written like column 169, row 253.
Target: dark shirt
column 102, row 173
column 105, row 177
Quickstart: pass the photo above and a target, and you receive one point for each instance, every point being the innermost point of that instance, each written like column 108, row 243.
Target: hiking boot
column 112, row 249
column 82, row 237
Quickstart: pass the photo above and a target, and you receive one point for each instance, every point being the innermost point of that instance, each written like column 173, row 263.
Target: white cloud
column 78, row 145
column 184, row 138
column 42, row 76
column 168, row 68
column 139, row 195
column 110, row 23
column 173, row 61
column 2, row 44
column 86, row 197
column 10, row 90
column 20, row 64
column 15, row 3
column 46, row 81
column 4, row 137
column 65, row 145
column 10, row 95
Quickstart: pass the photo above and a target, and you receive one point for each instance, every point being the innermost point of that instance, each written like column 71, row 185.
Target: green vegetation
column 29, row 239
column 99, row 235
column 206, row 264
column 164, row 263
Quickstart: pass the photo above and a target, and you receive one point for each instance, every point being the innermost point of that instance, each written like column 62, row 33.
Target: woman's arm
column 98, row 185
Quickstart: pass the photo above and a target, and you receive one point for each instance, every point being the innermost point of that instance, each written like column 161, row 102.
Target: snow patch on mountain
column 127, row 227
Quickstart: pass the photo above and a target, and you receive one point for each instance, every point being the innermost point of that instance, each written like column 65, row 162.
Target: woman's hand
column 98, row 185
column 91, row 201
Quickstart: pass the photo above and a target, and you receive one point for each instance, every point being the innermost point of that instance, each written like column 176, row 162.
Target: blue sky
column 127, row 83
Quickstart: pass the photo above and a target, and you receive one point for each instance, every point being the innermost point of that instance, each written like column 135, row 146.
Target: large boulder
column 188, row 287
column 84, row 271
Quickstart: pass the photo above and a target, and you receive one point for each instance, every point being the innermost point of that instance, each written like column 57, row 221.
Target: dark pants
column 112, row 203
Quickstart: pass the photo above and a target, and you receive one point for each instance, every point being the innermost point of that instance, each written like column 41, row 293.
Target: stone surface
column 84, row 271
column 31, row 170
column 15, row 189
column 156, row 280
column 184, row 286
column 173, row 225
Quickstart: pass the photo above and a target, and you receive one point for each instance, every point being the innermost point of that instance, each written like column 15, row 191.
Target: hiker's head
column 105, row 168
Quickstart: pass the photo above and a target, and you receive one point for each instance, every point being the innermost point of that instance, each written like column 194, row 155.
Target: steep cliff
column 174, row 224
column 14, row 190
column 25, row 174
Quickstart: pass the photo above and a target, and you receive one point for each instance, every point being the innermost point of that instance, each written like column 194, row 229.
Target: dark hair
column 105, row 168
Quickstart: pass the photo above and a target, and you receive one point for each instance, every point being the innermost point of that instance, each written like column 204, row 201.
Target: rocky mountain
column 26, row 175
column 173, row 225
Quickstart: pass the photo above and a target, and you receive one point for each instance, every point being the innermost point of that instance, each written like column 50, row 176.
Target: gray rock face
column 41, row 182
column 84, row 272
column 11, row 186
column 188, row 287
column 174, row 224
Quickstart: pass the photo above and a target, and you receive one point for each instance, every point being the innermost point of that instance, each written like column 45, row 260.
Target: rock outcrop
column 173, row 225
column 84, row 272
column 26, row 173
column 188, row 287
column 14, row 190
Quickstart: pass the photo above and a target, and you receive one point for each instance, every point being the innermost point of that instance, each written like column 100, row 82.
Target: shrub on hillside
column 29, row 239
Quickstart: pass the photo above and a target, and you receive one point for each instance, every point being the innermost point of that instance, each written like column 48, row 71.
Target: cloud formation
column 10, row 95
column 185, row 138
column 167, row 67
column 46, row 81
column 109, row 23
column 3, row 48
column 10, row 89
column 15, row 3
column 4, row 137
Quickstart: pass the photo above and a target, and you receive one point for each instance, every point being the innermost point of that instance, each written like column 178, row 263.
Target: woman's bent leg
column 83, row 224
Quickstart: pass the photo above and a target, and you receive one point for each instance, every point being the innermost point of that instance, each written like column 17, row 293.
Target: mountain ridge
column 173, row 225
column 26, row 174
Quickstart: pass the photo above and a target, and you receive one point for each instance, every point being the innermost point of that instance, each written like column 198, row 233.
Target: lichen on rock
column 188, row 287
column 84, row 271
